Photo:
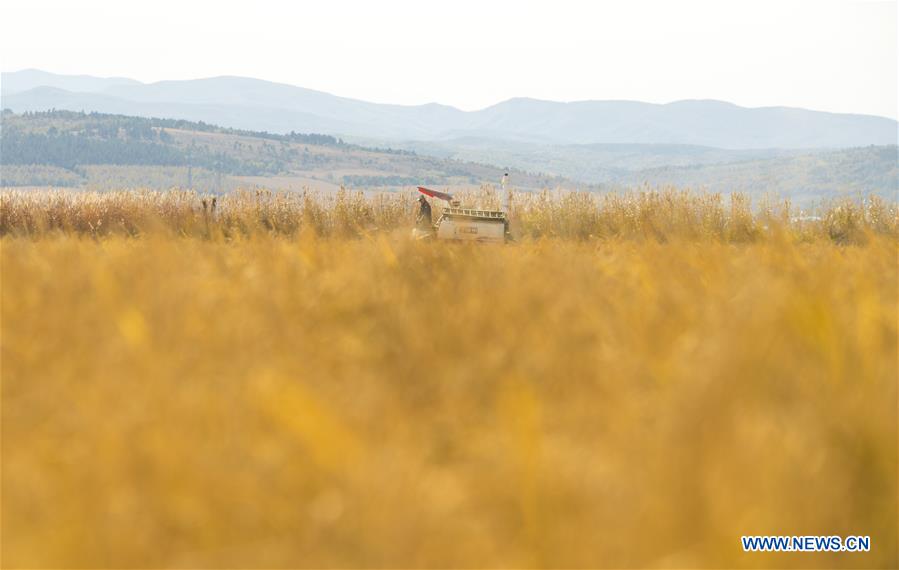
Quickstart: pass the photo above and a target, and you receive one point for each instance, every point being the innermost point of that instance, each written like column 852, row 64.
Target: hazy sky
column 833, row 55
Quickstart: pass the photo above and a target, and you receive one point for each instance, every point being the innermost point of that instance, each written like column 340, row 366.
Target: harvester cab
column 458, row 223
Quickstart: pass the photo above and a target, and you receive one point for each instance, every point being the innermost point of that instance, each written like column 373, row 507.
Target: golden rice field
column 289, row 381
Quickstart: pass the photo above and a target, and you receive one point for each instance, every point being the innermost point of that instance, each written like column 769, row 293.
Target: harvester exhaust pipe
column 507, row 198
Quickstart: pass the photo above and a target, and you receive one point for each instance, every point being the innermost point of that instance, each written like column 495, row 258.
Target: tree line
column 105, row 124
column 71, row 149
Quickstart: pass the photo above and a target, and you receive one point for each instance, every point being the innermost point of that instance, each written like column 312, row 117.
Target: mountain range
column 254, row 104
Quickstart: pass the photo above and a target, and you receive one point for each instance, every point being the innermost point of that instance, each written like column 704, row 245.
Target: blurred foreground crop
column 623, row 387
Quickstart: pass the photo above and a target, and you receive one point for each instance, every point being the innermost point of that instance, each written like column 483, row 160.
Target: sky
column 829, row 55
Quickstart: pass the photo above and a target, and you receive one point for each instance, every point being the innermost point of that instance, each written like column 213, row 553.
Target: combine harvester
column 467, row 224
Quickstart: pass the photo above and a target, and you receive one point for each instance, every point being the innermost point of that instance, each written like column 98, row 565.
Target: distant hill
column 592, row 163
column 31, row 78
column 100, row 151
column 805, row 178
column 262, row 105
column 804, row 175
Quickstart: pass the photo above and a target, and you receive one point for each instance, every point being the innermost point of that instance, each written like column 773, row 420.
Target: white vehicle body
column 466, row 224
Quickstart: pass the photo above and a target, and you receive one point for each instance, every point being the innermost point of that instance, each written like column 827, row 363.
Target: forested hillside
column 98, row 151
column 67, row 139
column 65, row 148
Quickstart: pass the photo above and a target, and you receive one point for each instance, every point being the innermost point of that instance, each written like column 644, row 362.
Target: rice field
column 288, row 381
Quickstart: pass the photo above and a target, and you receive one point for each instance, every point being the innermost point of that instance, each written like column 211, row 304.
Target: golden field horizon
column 658, row 214
column 286, row 381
